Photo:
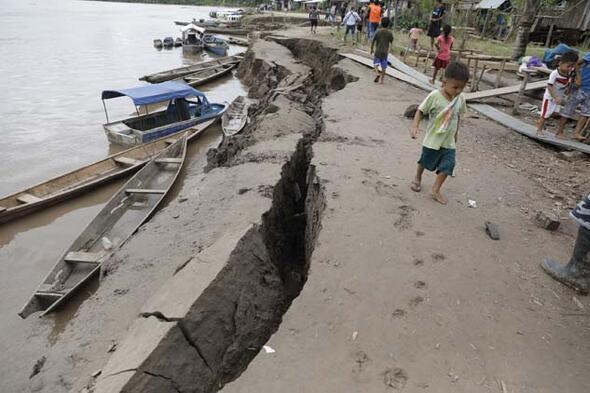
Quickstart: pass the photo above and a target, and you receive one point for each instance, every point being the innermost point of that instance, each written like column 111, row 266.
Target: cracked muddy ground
column 303, row 235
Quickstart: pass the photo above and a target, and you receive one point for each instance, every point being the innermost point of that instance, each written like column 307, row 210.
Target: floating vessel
column 235, row 118
column 237, row 41
column 123, row 214
column 186, row 108
column 182, row 71
column 207, row 75
column 82, row 180
column 227, row 30
column 215, row 44
column 177, row 42
column 168, row 42
column 158, row 44
column 192, row 42
column 200, row 23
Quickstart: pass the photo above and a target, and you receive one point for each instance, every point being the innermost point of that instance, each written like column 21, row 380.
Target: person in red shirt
column 374, row 18
column 444, row 44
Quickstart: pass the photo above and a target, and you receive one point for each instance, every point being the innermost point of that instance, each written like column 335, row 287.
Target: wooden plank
column 126, row 161
column 144, row 191
column 504, row 90
column 527, row 129
column 83, row 257
column 51, row 295
column 169, row 141
column 168, row 160
column 28, row 198
column 389, row 71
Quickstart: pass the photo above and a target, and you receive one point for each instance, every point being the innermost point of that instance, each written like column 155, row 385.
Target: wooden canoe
column 207, row 75
column 235, row 117
column 227, row 30
column 88, row 177
column 123, row 214
column 237, row 41
column 182, row 71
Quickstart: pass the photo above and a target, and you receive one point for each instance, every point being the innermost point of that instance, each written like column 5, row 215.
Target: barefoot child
column 444, row 44
column 381, row 42
column 580, row 96
column 557, row 87
column 414, row 34
column 443, row 106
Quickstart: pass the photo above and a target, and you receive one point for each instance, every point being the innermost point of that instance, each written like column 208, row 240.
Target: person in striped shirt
column 576, row 274
column 558, row 86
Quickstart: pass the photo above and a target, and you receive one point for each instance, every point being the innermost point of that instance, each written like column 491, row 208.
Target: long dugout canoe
column 82, row 180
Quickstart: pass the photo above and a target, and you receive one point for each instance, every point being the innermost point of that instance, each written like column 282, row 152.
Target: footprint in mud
column 395, row 379
column 404, row 220
column 420, row 285
column 335, row 195
column 398, row 313
column 415, row 301
column 378, row 142
column 242, row 191
column 419, row 233
column 369, row 172
column 383, row 189
column 438, row 257
column 360, row 359
column 418, row 262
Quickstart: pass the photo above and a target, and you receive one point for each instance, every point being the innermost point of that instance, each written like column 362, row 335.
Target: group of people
column 569, row 84
column 354, row 19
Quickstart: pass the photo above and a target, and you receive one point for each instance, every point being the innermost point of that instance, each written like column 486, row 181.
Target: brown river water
column 57, row 57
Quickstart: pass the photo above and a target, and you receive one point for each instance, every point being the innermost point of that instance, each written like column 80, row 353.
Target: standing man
column 576, row 274
column 374, row 17
column 438, row 13
column 313, row 19
column 350, row 20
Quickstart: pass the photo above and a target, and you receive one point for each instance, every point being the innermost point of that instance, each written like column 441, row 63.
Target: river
column 58, row 55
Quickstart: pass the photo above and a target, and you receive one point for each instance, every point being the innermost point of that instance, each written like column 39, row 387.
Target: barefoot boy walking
column 443, row 106
column 380, row 44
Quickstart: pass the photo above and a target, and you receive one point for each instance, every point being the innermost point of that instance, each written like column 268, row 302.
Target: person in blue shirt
column 580, row 97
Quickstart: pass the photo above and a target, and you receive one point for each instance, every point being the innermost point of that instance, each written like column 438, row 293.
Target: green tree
column 529, row 10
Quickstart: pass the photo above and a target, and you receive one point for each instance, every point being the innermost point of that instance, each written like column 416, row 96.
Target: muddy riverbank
column 304, row 225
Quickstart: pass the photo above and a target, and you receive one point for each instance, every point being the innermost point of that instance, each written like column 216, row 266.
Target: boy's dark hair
column 385, row 22
column 569, row 57
column 457, row 71
column 447, row 30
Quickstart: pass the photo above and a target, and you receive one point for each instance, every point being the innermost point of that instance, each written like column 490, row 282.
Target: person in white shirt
column 350, row 20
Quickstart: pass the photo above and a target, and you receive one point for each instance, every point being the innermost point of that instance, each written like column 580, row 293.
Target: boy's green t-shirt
column 383, row 38
column 435, row 103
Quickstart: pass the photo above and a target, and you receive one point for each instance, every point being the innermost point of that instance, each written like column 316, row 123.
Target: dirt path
column 405, row 294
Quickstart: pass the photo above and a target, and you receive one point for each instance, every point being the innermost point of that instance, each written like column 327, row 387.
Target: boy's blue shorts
column 442, row 160
column 380, row 62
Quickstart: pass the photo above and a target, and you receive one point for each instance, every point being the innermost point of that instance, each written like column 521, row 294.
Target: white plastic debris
column 471, row 203
column 354, row 335
column 106, row 243
column 268, row 349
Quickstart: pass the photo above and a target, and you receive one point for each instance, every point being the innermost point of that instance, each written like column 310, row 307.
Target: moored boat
column 82, row 180
column 186, row 108
column 158, row 44
column 227, row 30
column 207, row 75
column 235, row 118
column 178, row 42
column 123, row 214
column 181, row 71
column 237, row 41
column 215, row 44
column 168, row 42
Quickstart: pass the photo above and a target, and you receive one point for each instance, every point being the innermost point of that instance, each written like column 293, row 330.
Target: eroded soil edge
column 239, row 311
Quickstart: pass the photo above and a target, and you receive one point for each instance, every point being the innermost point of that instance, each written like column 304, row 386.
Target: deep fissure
column 243, row 306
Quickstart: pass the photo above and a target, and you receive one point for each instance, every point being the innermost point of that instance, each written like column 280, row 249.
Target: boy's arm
column 578, row 79
column 415, row 130
column 553, row 93
column 458, row 127
column 372, row 44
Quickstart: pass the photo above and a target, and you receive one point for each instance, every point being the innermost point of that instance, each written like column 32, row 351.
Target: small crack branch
column 169, row 379
column 193, row 344
column 159, row 316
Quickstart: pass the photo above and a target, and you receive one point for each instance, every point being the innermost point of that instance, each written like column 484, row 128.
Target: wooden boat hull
column 237, row 41
column 228, row 31
column 182, row 71
column 121, row 134
column 203, row 77
column 123, row 214
column 158, row 44
column 217, row 48
column 82, row 180
column 235, row 117
column 178, row 42
column 191, row 50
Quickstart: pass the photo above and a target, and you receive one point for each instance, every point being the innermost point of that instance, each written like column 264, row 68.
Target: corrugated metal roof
column 490, row 4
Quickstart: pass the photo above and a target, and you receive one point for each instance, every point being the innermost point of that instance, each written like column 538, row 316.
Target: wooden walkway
column 410, row 75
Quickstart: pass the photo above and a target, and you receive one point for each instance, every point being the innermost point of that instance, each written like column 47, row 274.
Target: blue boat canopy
column 158, row 92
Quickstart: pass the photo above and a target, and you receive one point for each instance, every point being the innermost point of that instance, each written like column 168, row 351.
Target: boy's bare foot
column 580, row 138
column 437, row 196
column 415, row 186
column 540, row 132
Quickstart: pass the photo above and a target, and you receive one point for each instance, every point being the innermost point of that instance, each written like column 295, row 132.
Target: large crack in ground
column 238, row 312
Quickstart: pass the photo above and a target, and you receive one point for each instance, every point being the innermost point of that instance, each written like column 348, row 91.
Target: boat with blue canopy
column 186, row 107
